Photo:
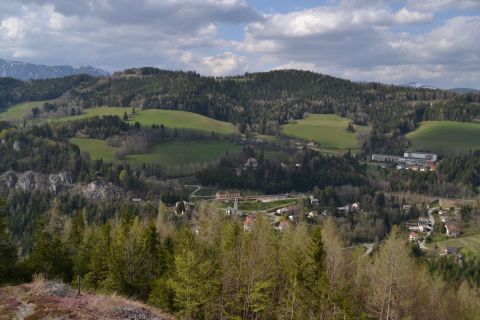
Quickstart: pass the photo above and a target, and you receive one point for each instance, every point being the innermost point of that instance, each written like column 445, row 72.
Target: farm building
column 249, row 222
column 451, row 250
column 453, row 229
column 419, row 155
column 227, row 195
column 234, row 211
column 385, row 158
column 251, row 163
column 413, row 236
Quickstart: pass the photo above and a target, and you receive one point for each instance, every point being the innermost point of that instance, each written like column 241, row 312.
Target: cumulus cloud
column 439, row 5
column 223, row 64
column 117, row 33
column 13, row 28
column 377, row 40
column 306, row 66
column 371, row 42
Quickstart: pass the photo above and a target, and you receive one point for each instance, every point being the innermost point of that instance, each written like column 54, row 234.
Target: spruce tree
column 8, row 252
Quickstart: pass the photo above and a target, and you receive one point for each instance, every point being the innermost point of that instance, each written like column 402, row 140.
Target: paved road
column 369, row 247
column 197, row 188
column 430, row 216
column 432, row 221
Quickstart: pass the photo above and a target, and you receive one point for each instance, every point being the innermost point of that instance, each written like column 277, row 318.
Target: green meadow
column 19, row 111
column 97, row 149
column 169, row 118
column 468, row 244
column 446, row 136
column 180, row 153
column 167, row 154
column 328, row 130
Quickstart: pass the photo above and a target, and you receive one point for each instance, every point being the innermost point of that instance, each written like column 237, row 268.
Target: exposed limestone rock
column 56, row 183
column 98, row 190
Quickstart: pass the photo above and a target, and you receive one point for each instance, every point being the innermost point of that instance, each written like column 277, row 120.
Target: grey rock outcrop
column 30, row 181
column 58, row 182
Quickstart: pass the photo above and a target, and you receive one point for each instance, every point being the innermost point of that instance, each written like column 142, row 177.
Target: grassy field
column 169, row 118
column 328, row 130
column 168, row 154
column 184, row 152
column 18, row 112
column 97, row 149
column 468, row 244
column 446, row 136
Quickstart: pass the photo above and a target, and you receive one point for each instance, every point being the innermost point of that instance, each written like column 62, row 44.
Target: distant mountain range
column 465, row 90
column 419, row 85
column 27, row 71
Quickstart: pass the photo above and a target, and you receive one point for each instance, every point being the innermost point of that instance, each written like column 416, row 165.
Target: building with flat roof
column 420, row 155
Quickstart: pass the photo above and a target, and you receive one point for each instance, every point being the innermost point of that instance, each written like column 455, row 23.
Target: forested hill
column 257, row 102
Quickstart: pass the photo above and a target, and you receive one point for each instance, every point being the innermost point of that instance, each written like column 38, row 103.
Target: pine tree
column 77, row 247
column 293, row 256
column 128, row 272
column 97, row 273
column 335, row 264
column 8, row 252
column 49, row 255
column 393, row 280
column 315, row 279
column 194, row 284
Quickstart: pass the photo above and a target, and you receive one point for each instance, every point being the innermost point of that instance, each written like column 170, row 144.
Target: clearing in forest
column 166, row 154
column 169, row 118
column 330, row 131
column 446, row 137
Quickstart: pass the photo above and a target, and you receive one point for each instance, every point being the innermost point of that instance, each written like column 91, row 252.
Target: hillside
column 446, row 137
column 169, row 118
column 329, row 131
column 256, row 102
column 26, row 71
column 55, row 300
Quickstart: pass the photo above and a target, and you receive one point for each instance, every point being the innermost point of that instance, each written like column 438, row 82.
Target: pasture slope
column 98, row 149
column 446, row 137
column 328, row 130
column 19, row 112
column 167, row 154
column 169, row 118
column 468, row 244
column 179, row 153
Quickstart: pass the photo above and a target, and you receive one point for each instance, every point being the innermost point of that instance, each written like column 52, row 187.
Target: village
column 416, row 161
column 283, row 211
column 430, row 223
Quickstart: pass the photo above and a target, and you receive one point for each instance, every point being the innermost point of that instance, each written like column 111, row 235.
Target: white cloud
column 306, row 66
column 440, row 5
column 117, row 33
column 13, row 28
column 363, row 43
column 405, row 16
column 382, row 40
column 223, row 64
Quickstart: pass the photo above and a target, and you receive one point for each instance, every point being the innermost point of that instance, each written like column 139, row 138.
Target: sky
column 435, row 42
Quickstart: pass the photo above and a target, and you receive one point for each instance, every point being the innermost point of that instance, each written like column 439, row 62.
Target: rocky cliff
column 56, row 183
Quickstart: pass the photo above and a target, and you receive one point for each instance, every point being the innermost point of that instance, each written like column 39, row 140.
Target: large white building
column 420, row 155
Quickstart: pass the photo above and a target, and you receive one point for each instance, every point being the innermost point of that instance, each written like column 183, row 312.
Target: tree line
column 215, row 270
